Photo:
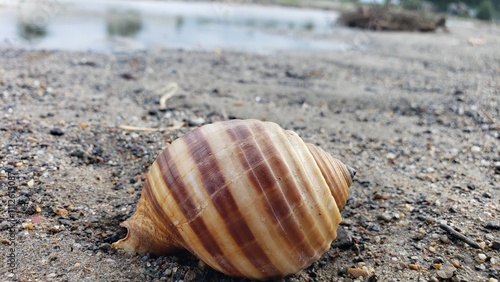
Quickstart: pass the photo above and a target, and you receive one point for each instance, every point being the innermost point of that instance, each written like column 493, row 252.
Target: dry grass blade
column 170, row 91
column 176, row 125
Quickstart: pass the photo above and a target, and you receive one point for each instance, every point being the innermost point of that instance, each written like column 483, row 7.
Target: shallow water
column 122, row 25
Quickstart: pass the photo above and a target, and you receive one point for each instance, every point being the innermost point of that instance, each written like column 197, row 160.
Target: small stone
column 475, row 149
column 196, row 121
column 390, row 156
column 437, row 266
column 51, row 275
column 432, row 249
column 104, row 246
column 56, row 132
column 384, row 217
column 83, row 125
column 190, row 276
column 482, row 245
column 495, row 225
column 5, row 241
column 357, row 272
column 31, row 183
column 446, row 271
column 480, row 267
column 495, row 245
column 455, row 263
column 167, row 272
column 439, row 260
column 343, row 240
column 444, row 239
column 481, row 257
column 61, row 211
column 433, row 279
column 130, row 190
column 128, row 76
column 492, row 280
column 413, row 266
column 56, row 228
column 31, row 139
column 430, row 220
column 493, row 260
column 379, row 196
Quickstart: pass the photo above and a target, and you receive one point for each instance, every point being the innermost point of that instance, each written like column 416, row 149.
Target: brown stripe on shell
column 265, row 177
column 310, row 232
column 178, row 189
column 158, row 211
column 224, row 202
column 338, row 181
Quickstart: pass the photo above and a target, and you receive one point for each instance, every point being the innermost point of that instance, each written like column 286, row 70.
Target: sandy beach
column 416, row 114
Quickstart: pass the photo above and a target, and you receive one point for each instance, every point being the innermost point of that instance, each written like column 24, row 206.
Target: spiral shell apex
column 247, row 197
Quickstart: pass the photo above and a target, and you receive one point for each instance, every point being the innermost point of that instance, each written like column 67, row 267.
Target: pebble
column 455, row 263
column 446, row 271
column 495, row 245
column 56, row 132
column 492, row 280
column 413, row 266
column 495, row 225
column 481, row 256
column 196, row 121
column 482, row 245
column 444, row 239
column 357, row 272
column 390, row 156
column 343, row 240
column 384, row 217
column 475, row 149
column 190, row 276
column 430, row 220
column 432, row 249
column 480, row 267
column 438, row 260
column 61, row 211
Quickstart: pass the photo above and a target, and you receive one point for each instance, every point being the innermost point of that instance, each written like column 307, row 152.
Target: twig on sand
column 460, row 236
column 138, row 128
column 175, row 126
column 170, row 90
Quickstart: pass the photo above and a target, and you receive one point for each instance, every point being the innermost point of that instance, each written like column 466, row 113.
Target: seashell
column 247, row 197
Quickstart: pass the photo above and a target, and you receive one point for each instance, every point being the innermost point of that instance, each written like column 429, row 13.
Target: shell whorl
column 247, row 197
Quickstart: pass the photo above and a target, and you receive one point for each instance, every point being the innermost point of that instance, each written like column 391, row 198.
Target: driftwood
column 384, row 18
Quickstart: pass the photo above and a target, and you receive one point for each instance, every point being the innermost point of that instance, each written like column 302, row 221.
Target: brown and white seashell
column 247, row 197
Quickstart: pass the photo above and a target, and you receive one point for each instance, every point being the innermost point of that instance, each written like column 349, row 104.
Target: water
column 121, row 25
